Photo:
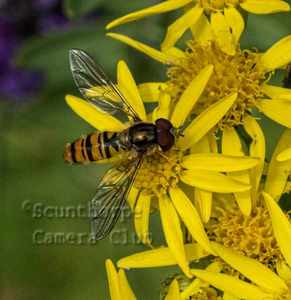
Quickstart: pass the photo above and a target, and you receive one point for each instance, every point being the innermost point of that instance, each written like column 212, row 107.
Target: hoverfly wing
column 110, row 198
column 96, row 87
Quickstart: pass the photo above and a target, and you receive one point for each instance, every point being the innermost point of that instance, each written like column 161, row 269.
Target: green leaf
column 264, row 30
column 49, row 54
column 76, row 8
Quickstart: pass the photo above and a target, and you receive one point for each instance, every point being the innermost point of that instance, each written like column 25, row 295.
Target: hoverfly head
column 165, row 137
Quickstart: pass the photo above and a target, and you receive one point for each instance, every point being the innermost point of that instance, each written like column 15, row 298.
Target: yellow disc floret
column 158, row 172
column 252, row 236
column 239, row 73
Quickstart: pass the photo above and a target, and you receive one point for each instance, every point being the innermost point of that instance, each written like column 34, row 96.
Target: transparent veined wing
column 96, row 87
column 111, row 195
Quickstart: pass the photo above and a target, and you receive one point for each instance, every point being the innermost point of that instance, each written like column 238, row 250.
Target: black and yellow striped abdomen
column 93, row 147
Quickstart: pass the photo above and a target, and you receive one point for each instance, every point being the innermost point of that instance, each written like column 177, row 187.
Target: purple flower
column 8, row 44
column 45, row 4
column 18, row 21
column 52, row 22
column 19, row 85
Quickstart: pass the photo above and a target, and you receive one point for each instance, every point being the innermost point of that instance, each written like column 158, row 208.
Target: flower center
column 159, row 171
column 232, row 74
column 252, row 236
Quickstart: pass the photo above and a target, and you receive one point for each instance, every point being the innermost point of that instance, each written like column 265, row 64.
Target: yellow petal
column 218, row 162
column 284, row 155
column 264, row 7
column 163, row 109
column 277, row 110
column 252, row 269
column 244, row 199
column 201, row 30
column 281, row 227
column 202, row 146
column 195, row 286
column 257, row 148
column 174, row 292
column 278, row 55
column 231, row 285
column 113, row 281
column 190, row 96
column 173, row 233
column 98, row 91
column 141, row 218
column 213, row 181
column 276, row 91
column 132, row 197
column 129, row 89
column 222, row 33
column 125, row 289
column 231, row 144
column 160, row 257
column 89, row 112
column 175, row 52
column 228, row 296
column 283, row 271
column 150, row 91
column 150, row 11
column 178, row 28
column 235, row 21
column 278, row 172
column 203, row 202
column 205, row 121
column 149, row 51
column 190, row 217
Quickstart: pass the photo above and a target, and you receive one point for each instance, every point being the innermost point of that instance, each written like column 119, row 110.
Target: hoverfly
column 135, row 142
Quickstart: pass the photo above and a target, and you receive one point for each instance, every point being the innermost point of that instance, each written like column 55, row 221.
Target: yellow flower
column 119, row 287
column 246, row 73
column 226, row 22
column 262, row 284
column 252, row 229
column 177, row 286
column 157, row 183
column 257, row 245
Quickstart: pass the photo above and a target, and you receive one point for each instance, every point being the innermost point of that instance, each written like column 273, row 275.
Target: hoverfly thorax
column 142, row 136
column 164, row 135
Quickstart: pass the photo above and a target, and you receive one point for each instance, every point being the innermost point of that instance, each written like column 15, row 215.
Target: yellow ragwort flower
column 226, row 21
column 261, row 284
column 253, row 229
column 246, row 73
column 157, row 184
column 178, row 286
column 257, row 244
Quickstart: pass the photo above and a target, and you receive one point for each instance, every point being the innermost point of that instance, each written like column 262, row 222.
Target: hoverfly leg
column 162, row 154
column 152, row 150
column 133, row 155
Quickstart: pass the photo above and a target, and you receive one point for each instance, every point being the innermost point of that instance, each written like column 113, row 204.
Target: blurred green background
column 36, row 124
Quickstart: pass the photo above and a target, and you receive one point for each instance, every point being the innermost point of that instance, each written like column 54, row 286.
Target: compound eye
column 163, row 124
column 166, row 140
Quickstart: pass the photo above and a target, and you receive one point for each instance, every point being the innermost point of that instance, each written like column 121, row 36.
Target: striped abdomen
column 93, row 147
